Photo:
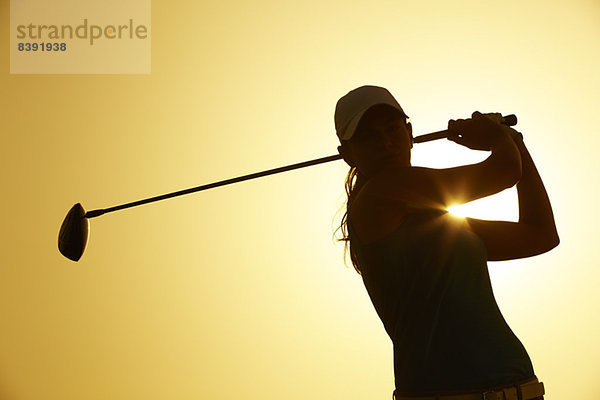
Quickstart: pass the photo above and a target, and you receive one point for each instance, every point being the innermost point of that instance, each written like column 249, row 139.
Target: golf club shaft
column 96, row 213
column 508, row 120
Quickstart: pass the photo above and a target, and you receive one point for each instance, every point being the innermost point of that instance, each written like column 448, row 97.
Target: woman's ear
column 345, row 153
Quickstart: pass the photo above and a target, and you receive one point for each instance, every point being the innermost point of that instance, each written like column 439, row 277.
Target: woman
column 426, row 271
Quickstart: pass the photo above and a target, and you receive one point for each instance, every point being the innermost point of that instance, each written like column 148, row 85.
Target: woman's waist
column 527, row 388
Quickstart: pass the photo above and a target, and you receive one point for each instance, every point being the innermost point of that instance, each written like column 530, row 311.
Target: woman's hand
column 481, row 131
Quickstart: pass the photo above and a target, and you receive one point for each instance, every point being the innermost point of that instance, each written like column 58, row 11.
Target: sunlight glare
column 501, row 207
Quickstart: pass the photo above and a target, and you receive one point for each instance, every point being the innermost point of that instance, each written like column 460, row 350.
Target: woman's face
column 382, row 139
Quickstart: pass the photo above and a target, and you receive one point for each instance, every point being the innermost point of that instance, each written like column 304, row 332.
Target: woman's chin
column 386, row 163
column 394, row 160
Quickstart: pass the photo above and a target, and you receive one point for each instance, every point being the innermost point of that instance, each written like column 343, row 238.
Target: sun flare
column 502, row 207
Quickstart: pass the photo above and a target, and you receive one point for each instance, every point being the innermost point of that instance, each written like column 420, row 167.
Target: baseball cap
column 351, row 107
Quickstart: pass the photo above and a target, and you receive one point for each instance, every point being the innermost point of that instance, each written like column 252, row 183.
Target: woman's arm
column 535, row 233
column 442, row 188
column 534, row 204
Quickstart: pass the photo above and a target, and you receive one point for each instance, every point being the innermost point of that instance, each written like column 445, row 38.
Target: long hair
column 354, row 181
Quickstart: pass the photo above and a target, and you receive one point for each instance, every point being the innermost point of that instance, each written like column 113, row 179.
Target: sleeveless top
column 429, row 283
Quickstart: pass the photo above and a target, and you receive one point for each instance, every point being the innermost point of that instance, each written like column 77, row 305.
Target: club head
column 73, row 234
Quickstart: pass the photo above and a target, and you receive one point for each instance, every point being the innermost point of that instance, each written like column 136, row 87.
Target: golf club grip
column 509, row 120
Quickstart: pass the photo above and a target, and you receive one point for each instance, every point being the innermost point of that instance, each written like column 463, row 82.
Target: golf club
column 74, row 231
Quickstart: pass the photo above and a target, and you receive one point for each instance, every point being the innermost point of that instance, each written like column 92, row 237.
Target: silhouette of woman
column 425, row 270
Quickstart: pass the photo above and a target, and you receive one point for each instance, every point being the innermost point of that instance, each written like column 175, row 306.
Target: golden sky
column 240, row 290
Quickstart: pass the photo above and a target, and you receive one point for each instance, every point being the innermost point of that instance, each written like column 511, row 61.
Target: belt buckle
column 491, row 395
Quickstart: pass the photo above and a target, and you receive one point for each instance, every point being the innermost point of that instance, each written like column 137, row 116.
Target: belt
column 523, row 391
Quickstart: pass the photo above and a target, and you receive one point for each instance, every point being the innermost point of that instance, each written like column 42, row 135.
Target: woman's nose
column 390, row 138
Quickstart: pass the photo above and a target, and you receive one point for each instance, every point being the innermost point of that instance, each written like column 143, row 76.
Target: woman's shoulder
column 392, row 190
column 394, row 185
column 373, row 217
